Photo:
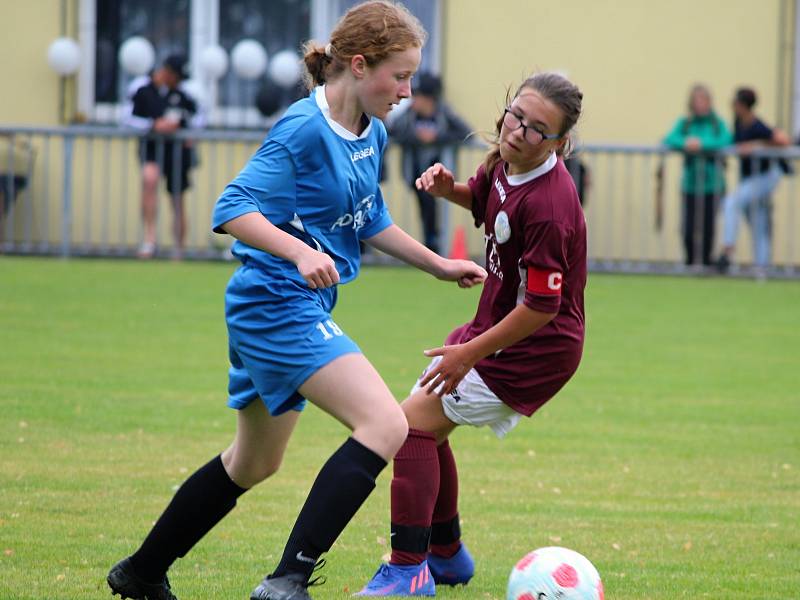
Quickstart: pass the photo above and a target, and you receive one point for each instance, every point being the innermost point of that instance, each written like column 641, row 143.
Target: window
column 164, row 24
column 189, row 26
column 277, row 25
column 427, row 11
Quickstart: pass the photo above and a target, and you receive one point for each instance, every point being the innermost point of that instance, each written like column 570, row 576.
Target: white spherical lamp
column 194, row 88
column 137, row 56
column 64, row 56
column 249, row 59
column 284, row 68
column 213, row 62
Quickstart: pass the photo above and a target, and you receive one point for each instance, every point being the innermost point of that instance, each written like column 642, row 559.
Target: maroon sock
column 415, row 486
column 445, row 527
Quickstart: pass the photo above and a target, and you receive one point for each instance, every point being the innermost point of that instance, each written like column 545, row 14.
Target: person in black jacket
column 158, row 106
column 424, row 131
column 758, row 178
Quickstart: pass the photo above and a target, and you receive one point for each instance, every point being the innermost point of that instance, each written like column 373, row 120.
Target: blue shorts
column 280, row 332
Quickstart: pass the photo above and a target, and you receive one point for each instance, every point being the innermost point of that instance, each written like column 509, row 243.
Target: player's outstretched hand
column 318, row 269
column 443, row 377
column 465, row 272
column 436, row 180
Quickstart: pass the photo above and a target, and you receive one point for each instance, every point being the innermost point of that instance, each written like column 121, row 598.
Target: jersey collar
column 532, row 174
column 322, row 103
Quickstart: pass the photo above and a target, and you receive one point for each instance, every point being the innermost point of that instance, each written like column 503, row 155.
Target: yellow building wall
column 633, row 59
column 30, row 88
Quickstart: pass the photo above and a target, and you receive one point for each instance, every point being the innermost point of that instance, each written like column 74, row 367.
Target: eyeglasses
column 531, row 134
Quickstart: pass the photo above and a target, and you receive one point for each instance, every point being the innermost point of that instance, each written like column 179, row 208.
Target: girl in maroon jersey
column 522, row 346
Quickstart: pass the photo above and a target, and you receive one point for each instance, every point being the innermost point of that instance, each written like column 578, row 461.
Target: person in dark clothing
column 424, row 131
column 581, row 176
column 158, row 106
column 758, row 179
column 699, row 135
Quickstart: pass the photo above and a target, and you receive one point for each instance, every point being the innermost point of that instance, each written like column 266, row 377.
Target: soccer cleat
column 458, row 569
column 123, row 580
column 401, row 580
column 292, row 586
column 723, row 263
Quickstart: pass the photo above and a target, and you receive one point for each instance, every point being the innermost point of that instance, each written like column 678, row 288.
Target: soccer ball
column 554, row 574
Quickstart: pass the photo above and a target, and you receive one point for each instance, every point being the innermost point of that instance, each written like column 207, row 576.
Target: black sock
column 340, row 489
column 199, row 504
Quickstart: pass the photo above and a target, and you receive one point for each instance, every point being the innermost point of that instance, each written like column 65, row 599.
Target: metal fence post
column 66, row 196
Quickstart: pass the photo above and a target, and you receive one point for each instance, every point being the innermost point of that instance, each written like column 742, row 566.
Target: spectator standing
column 159, row 107
column 581, row 176
column 16, row 162
column 424, row 131
column 699, row 135
column 758, row 179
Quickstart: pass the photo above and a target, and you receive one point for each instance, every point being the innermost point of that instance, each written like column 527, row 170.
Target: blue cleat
column 458, row 569
column 401, row 580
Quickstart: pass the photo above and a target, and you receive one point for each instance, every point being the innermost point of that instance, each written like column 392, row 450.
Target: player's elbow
column 543, row 319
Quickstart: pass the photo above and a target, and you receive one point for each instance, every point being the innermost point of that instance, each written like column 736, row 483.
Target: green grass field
column 672, row 460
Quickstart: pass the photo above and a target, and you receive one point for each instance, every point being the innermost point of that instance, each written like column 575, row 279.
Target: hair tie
column 329, row 50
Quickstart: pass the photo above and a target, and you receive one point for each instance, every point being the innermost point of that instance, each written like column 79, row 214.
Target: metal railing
column 638, row 204
column 76, row 191
column 80, row 191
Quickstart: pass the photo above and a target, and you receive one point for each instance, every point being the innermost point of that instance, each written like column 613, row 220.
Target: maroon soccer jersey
column 535, row 235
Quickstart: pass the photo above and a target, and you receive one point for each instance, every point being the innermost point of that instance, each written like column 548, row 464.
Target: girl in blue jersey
column 298, row 211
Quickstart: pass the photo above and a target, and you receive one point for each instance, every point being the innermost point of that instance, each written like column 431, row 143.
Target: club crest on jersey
column 502, row 228
column 365, row 153
column 499, row 187
column 357, row 219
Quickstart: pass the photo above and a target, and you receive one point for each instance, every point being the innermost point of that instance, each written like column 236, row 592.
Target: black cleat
column 723, row 263
column 292, row 586
column 123, row 580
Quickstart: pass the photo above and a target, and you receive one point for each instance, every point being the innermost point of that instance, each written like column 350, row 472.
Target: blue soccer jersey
column 315, row 180
column 318, row 182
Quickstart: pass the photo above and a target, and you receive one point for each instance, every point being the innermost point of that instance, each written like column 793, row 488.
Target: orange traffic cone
column 458, row 247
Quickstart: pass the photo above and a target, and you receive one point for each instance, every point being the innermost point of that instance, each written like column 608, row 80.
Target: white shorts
column 473, row 403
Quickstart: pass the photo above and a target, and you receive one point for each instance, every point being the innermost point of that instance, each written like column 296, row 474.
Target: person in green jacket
column 699, row 135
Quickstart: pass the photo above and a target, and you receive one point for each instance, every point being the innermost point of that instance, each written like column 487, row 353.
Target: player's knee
column 249, row 472
column 255, row 474
column 394, row 430
column 268, row 469
column 150, row 176
column 384, row 433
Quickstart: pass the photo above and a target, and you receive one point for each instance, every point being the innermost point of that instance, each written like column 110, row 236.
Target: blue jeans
column 753, row 197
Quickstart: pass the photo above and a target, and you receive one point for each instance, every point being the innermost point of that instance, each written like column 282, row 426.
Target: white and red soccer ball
column 554, row 573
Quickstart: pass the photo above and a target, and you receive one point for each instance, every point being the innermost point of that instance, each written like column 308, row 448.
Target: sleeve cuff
column 222, row 217
column 542, row 303
column 376, row 226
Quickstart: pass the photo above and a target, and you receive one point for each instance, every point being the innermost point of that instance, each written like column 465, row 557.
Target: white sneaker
column 146, row 250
